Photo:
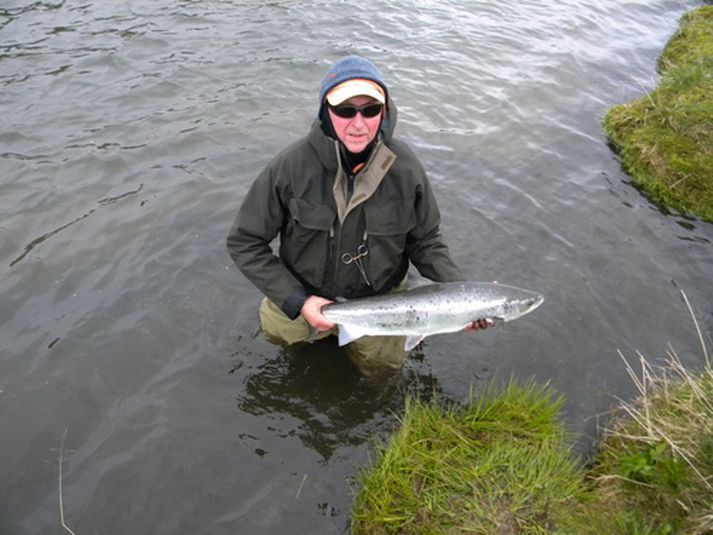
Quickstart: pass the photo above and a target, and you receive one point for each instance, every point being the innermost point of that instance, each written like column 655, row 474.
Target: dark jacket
column 299, row 197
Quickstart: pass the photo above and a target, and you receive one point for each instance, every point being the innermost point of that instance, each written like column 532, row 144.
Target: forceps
column 361, row 252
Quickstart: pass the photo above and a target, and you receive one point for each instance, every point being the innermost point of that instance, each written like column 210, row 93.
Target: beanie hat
column 350, row 68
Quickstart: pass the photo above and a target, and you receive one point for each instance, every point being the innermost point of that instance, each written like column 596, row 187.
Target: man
column 352, row 206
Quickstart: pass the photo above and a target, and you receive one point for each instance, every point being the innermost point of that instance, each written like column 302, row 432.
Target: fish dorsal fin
column 413, row 341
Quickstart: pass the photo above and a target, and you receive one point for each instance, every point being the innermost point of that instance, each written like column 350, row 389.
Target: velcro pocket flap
column 311, row 215
column 390, row 218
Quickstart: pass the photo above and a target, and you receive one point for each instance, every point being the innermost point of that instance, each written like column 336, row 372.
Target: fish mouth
column 534, row 302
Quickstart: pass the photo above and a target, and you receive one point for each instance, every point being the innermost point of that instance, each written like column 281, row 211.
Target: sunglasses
column 347, row 111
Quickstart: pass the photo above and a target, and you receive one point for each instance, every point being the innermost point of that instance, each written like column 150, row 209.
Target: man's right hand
column 312, row 313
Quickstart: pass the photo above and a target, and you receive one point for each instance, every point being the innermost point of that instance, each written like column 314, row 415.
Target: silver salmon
column 430, row 309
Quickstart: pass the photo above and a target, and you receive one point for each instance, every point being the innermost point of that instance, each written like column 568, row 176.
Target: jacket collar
column 381, row 160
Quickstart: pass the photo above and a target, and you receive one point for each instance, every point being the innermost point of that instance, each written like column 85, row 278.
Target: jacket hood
column 350, row 68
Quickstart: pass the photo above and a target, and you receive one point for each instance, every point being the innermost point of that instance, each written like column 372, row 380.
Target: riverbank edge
column 501, row 463
column 665, row 138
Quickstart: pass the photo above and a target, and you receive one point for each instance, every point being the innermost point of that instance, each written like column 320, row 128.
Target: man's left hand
column 478, row 325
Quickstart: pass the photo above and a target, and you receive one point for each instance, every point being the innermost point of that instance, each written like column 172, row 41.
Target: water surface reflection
column 315, row 393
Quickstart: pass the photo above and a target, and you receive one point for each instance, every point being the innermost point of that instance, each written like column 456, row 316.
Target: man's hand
column 478, row 325
column 312, row 313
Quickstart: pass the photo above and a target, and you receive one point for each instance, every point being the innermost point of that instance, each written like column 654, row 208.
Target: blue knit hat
column 347, row 69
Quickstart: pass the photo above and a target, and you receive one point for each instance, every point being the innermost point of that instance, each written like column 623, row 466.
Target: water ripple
column 132, row 130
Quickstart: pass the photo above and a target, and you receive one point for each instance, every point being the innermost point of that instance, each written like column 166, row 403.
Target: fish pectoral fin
column 349, row 333
column 413, row 341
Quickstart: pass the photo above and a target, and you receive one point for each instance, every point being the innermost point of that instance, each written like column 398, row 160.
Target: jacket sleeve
column 426, row 248
column 257, row 223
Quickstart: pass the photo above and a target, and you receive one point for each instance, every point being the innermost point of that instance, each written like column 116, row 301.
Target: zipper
column 337, row 239
column 335, row 253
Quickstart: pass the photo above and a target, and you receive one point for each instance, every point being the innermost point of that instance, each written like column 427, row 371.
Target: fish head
column 520, row 304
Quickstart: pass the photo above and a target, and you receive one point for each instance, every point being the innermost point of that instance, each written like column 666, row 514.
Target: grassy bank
column 501, row 465
column 497, row 465
column 665, row 138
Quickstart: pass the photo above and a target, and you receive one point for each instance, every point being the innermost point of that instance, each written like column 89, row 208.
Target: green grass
column 501, row 465
column 665, row 138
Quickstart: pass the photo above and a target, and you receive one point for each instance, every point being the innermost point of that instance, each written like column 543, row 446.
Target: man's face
column 356, row 132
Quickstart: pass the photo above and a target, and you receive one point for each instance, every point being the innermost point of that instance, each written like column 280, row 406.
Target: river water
column 132, row 130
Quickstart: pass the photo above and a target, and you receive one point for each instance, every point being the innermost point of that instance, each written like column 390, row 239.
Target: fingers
column 480, row 324
column 312, row 313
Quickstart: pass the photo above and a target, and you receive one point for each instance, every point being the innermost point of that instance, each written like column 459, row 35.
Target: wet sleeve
column 256, row 225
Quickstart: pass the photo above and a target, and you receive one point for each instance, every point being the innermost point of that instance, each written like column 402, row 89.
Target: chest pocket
column 387, row 226
column 391, row 218
column 311, row 215
column 306, row 244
